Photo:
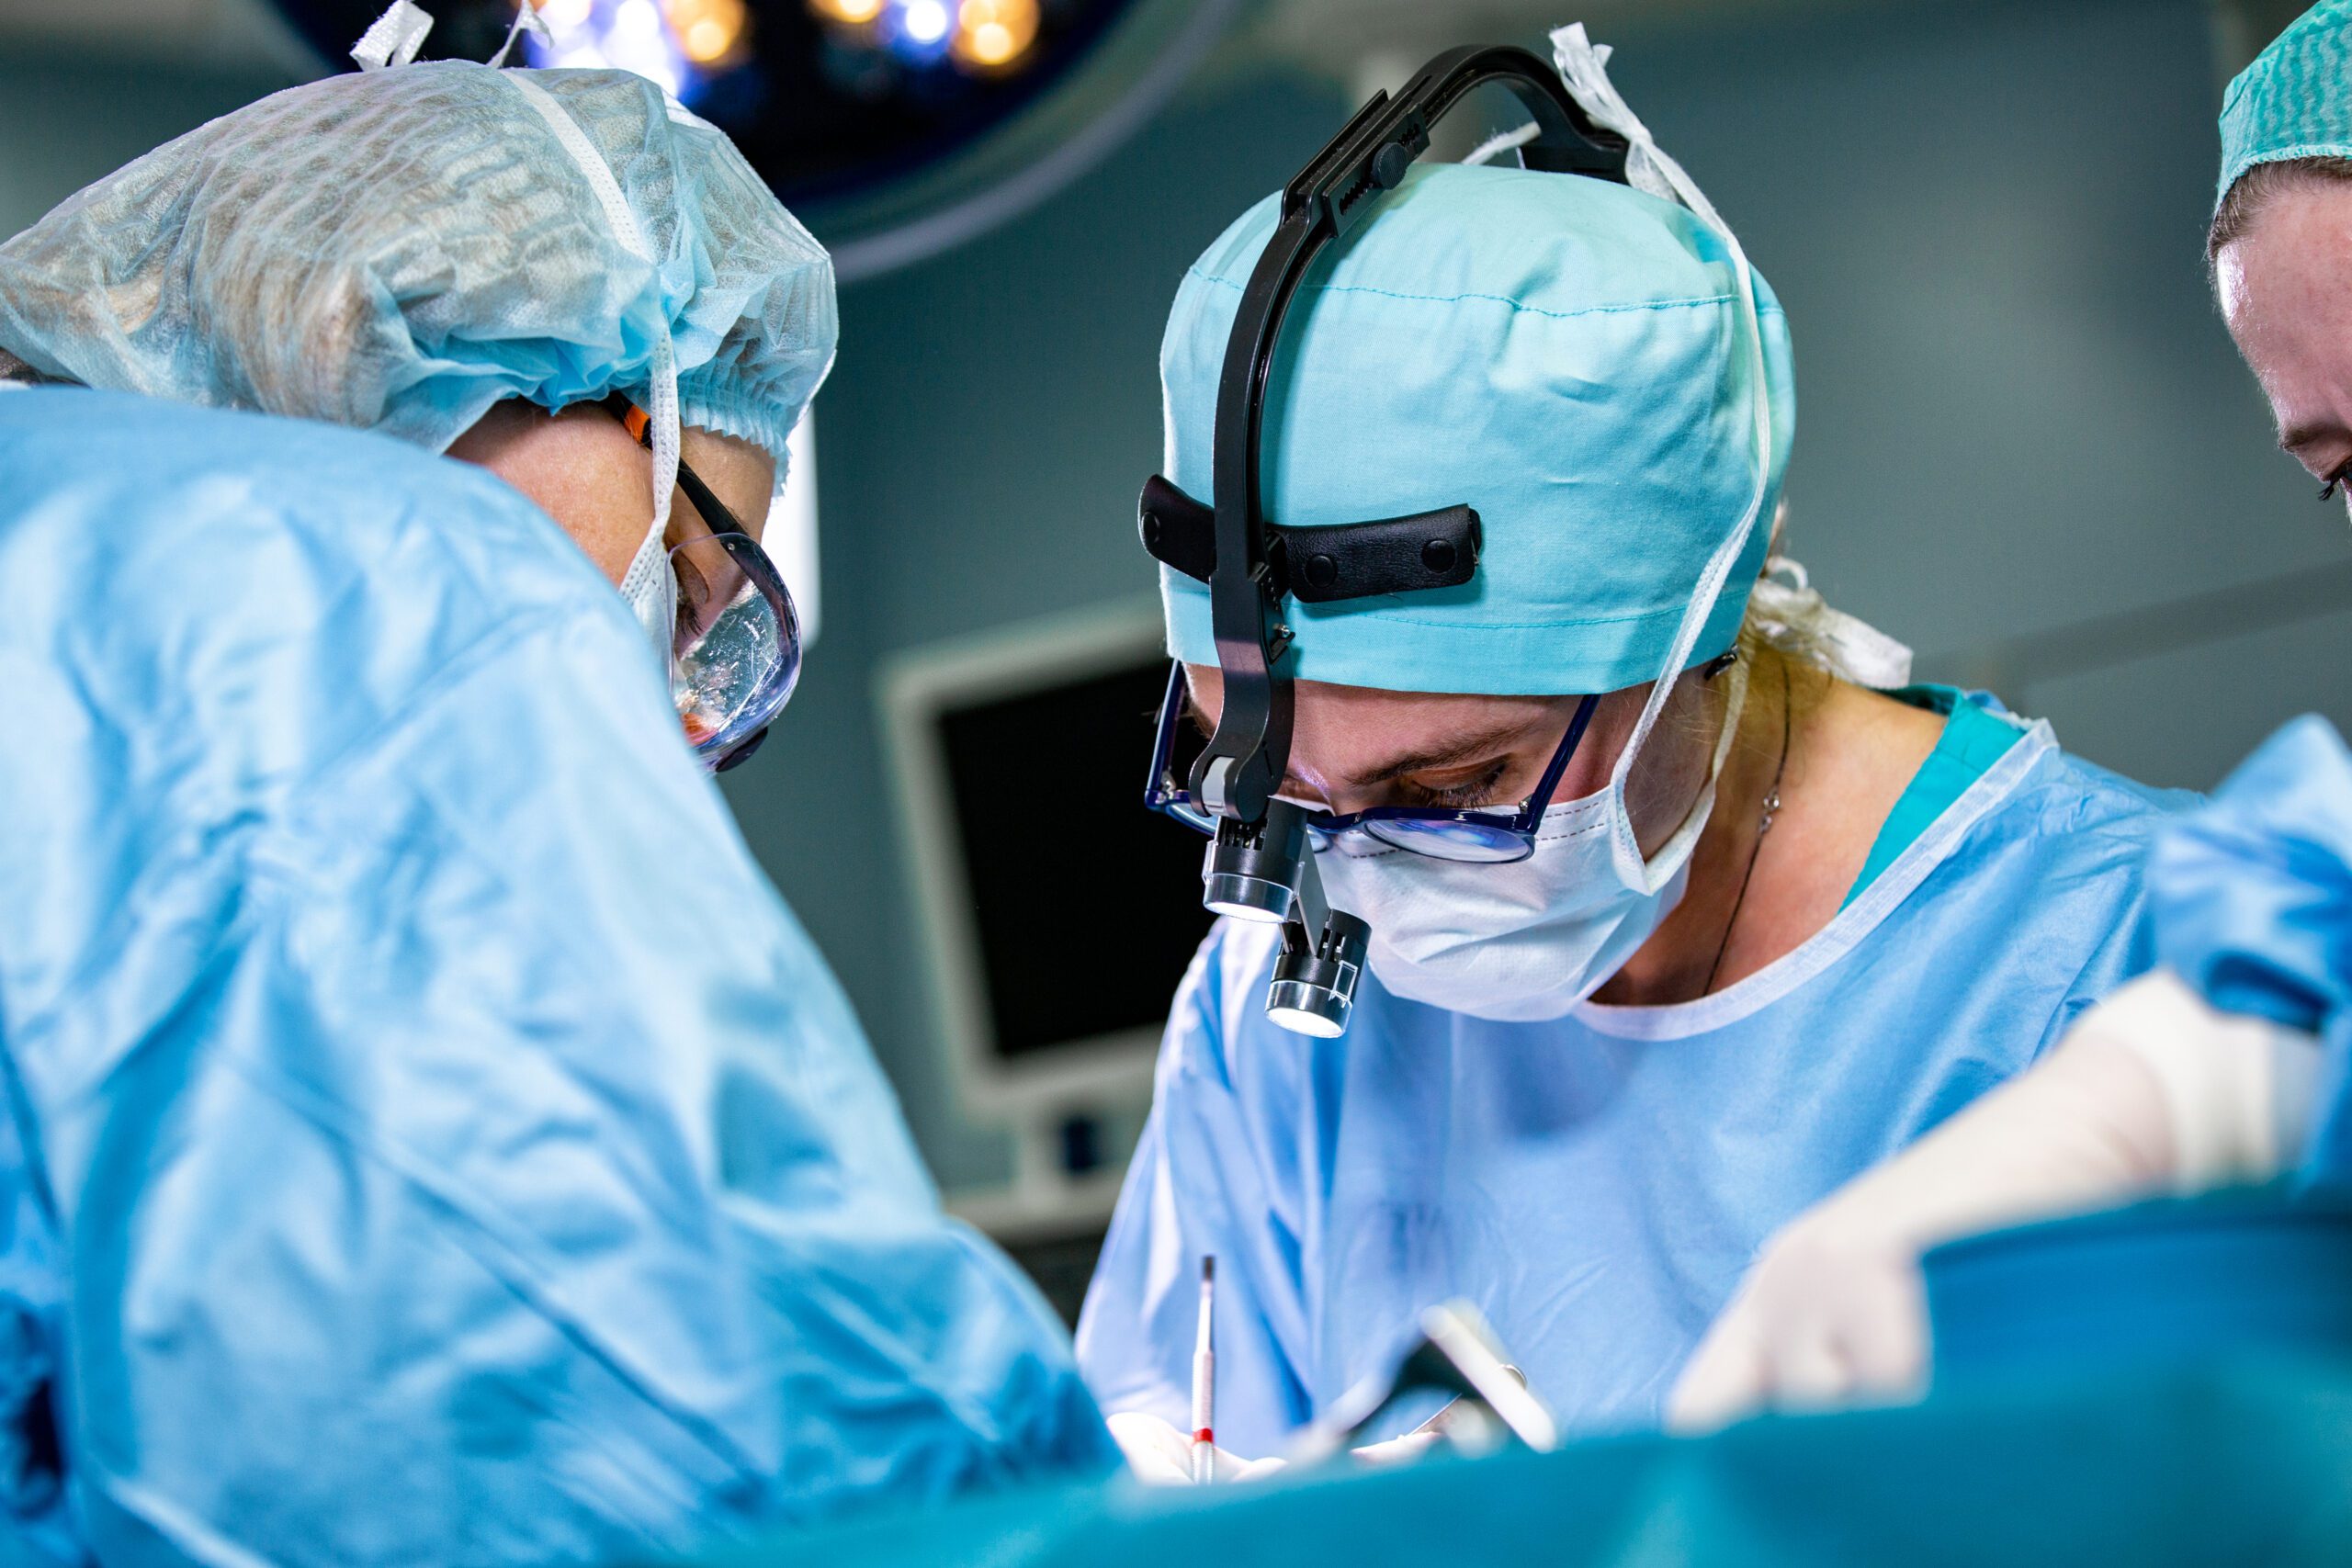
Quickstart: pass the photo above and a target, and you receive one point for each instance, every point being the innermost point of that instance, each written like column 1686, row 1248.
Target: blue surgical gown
column 426, row 1136
column 2251, row 902
column 1594, row 1185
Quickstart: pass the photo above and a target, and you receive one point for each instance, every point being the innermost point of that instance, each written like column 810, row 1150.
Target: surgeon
column 1765, row 927
column 426, row 1136
column 2228, row 1064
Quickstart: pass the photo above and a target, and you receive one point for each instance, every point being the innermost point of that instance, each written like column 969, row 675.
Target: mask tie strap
column 1793, row 616
column 393, row 37
column 527, row 20
column 663, row 372
column 1584, row 68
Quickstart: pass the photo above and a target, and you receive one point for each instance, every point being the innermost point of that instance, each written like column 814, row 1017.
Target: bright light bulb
column 926, row 21
column 991, row 44
column 707, row 30
column 855, row 12
column 992, row 33
column 565, row 15
column 1298, row 1021
column 637, row 41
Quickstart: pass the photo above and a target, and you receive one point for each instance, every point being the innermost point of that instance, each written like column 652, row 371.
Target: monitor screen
column 1087, row 906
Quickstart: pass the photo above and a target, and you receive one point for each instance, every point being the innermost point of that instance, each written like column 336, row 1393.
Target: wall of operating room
column 2025, row 446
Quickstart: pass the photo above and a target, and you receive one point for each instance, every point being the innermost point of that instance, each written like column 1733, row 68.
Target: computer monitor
column 1058, row 913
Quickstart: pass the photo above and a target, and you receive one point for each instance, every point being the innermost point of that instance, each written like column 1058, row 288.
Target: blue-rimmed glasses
column 1491, row 834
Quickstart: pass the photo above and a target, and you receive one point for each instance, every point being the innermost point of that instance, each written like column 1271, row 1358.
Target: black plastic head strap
column 1321, row 565
column 1252, row 566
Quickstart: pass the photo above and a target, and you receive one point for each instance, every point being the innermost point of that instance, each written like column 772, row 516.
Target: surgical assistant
column 1773, row 926
column 427, row 1136
column 2229, row 1064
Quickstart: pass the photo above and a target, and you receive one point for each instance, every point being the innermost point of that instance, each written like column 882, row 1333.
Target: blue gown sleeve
column 455, row 1150
column 2251, row 902
column 1201, row 1186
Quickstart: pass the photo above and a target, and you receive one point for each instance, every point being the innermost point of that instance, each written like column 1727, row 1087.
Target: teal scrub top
column 1975, row 737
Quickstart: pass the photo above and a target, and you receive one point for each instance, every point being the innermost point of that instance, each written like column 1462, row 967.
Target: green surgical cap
column 398, row 250
column 2295, row 100
column 1567, row 355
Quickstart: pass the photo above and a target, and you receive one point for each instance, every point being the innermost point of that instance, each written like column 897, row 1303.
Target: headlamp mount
column 1252, row 566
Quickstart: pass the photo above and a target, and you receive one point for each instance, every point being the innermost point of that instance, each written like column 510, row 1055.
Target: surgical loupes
column 1265, row 872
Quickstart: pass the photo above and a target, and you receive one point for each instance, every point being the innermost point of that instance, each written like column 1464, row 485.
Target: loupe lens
column 735, row 644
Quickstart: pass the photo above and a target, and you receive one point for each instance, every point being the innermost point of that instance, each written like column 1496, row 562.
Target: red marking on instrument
column 1204, row 1436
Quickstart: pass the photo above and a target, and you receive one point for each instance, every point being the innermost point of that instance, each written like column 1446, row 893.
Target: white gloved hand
column 1161, row 1455
column 1414, row 1445
column 2151, row 1091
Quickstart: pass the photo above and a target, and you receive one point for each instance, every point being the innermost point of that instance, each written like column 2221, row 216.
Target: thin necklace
column 1763, row 826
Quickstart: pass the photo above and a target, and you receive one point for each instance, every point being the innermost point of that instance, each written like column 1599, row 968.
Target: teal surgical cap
column 1568, row 356
column 2295, row 100
column 399, row 249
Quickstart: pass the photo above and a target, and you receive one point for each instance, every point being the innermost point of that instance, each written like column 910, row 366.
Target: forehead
column 2286, row 285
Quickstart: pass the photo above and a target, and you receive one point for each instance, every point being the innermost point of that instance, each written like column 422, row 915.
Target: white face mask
column 1527, row 940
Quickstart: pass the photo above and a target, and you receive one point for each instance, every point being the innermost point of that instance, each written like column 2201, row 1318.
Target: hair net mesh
column 2295, row 100
column 399, row 249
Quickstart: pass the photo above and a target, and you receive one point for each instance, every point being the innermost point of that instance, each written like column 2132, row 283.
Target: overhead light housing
column 894, row 129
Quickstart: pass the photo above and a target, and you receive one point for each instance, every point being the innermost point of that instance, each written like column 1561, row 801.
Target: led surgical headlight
column 1314, row 989
column 1252, row 871
column 1260, row 864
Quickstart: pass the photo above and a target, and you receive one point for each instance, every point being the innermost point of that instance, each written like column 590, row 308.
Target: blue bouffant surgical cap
column 2295, row 100
column 399, row 249
column 1569, row 356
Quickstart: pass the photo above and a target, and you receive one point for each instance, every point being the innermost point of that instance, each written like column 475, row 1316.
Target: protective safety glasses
column 1486, row 834
column 734, row 647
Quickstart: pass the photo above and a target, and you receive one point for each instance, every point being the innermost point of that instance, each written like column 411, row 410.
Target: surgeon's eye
column 2340, row 479
column 695, row 596
column 1477, row 790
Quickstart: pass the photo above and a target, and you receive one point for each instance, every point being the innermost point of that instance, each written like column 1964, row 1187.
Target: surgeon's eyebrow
column 1476, row 746
column 2296, row 439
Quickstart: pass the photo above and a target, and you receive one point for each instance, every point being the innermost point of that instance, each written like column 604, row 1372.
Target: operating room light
column 894, row 129
column 991, row 33
column 707, row 30
column 638, row 42
column 630, row 34
column 925, row 21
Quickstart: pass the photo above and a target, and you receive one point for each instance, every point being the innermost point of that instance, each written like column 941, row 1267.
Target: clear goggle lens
column 734, row 643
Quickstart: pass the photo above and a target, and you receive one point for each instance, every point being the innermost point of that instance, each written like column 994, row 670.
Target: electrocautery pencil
column 1205, row 1385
